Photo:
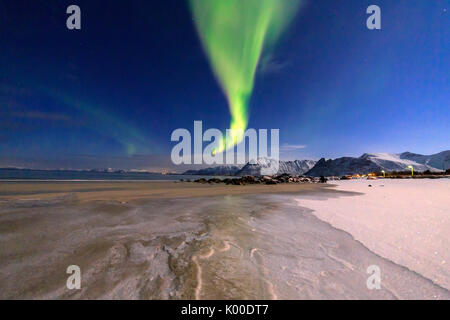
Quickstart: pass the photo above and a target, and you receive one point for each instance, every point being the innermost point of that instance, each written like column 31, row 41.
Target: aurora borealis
column 234, row 34
column 138, row 70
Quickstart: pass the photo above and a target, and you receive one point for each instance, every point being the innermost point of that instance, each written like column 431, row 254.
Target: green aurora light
column 234, row 34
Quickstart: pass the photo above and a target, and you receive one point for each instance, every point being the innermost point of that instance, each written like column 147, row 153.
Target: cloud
column 292, row 147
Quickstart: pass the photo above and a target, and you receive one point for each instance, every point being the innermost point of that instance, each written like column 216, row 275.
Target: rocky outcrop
column 269, row 180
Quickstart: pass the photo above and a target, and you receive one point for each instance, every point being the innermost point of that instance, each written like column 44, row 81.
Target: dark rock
column 237, row 182
column 249, row 179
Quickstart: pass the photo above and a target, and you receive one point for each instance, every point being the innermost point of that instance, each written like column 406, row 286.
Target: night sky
column 136, row 71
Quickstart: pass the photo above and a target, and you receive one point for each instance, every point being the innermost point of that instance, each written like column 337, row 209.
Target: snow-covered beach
column 405, row 221
column 161, row 240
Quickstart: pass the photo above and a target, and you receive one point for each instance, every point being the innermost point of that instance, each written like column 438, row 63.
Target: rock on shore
column 270, row 180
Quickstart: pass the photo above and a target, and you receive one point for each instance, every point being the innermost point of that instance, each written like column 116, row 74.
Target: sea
column 78, row 175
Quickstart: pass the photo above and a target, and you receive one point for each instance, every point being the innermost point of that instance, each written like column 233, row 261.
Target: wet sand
column 133, row 190
column 165, row 240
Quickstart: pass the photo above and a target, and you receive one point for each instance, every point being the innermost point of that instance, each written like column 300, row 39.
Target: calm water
column 27, row 174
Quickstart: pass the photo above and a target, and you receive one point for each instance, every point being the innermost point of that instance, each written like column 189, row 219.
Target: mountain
column 343, row 166
column 439, row 160
column 260, row 167
column 375, row 162
column 266, row 166
column 227, row 170
column 368, row 162
column 400, row 162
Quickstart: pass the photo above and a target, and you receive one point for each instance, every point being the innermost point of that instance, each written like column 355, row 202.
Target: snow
column 268, row 166
column 406, row 221
column 392, row 162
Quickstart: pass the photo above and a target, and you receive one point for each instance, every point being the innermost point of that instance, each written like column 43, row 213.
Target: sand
column 166, row 240
column 405, row 221
column 86, row 191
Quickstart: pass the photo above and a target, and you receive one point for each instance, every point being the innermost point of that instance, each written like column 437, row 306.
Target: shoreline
column 166, row 242
column 127, row 191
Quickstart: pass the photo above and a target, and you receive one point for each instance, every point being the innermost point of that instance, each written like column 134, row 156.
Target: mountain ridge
column 368, row 162
column 376, row 162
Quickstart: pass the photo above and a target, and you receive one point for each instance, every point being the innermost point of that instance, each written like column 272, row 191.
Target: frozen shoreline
column 146, row 241
column 405, row 221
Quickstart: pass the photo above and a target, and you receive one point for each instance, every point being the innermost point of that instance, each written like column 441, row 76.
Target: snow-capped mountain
column 343, row 166
column 267, row 166
column 375, row 162
column 399, row 162
column 368, row 162
column 260, row 167
column 439, row 160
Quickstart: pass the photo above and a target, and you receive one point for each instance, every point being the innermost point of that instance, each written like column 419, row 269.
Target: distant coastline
column 18, row 174
column 392, row 165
